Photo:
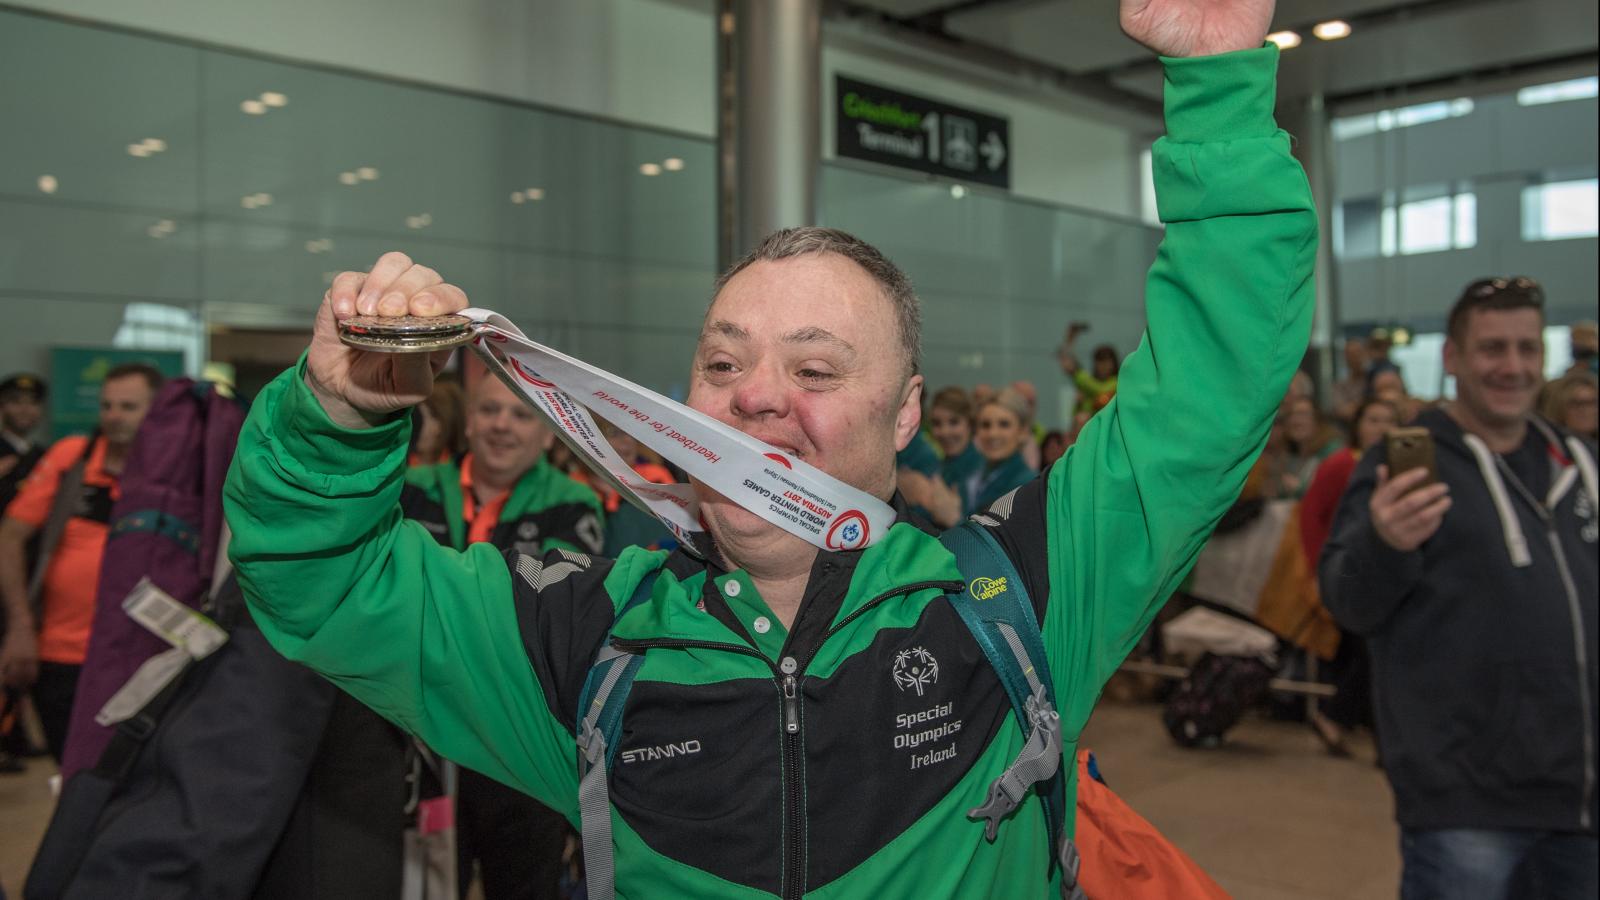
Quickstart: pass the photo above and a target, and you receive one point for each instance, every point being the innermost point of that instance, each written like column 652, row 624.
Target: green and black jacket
column 546, row 510
column 903, row 724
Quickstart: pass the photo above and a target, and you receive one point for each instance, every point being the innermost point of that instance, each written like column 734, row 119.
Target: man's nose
column 761, row 391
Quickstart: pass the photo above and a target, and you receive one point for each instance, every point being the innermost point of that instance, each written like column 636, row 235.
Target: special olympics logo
column 848, row 532
column 780, row 459
column 529, row 377
column 915, row 669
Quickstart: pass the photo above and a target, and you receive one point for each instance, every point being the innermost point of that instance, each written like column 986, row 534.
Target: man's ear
column 908, row 418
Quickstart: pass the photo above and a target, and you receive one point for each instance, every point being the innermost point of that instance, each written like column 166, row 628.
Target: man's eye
column 815, row 375
column 720, row 365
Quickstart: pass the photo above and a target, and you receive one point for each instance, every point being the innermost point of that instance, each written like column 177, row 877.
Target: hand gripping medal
column 406, row 334
column 786, row 491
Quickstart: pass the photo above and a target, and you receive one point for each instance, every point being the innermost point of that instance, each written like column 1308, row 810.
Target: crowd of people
column 484, row 468
column 897, row 716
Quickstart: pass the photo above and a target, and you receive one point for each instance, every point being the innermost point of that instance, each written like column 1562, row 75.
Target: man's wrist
column 339, row 411
column 308, row 433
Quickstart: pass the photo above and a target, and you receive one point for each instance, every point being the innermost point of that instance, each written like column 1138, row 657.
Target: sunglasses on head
column 1520, row 284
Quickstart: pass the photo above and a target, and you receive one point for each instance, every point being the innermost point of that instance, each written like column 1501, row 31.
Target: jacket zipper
column 1575, row 609
column 784, row 675
column 787, row 674
column 1580, row 652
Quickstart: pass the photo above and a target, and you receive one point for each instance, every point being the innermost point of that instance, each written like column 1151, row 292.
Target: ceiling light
column 1332, row 31
column 649, row 169
column 156, row 232
column 426, row 219
column 274, row 99
column 516, row 197
column 419, row 221
column 253, row 107
column 48, row 184
column 139, row 150
column 349, row 178
column 367, row 173
column 167, row 225
column 534, row 193
column 672, row 164
column 249, row 201
column 320, row 245
column 155, row 145
column 958, row 191
column 1286, row 40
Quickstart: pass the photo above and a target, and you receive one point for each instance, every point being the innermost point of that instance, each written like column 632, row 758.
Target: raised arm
column 1228, row 305
column 426, row 636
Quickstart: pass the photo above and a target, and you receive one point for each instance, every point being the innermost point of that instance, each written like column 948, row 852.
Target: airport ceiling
column 1393, row 46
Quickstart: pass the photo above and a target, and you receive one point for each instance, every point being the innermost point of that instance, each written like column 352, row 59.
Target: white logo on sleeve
column 915, row 669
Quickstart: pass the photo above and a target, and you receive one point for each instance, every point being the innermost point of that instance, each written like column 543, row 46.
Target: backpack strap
column 63, row 507
column 605, row 693
column 995, row 608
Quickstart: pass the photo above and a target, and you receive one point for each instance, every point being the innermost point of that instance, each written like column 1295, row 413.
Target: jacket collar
column 841, row 582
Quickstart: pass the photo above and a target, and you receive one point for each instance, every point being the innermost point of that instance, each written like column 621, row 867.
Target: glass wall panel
column 231, row 188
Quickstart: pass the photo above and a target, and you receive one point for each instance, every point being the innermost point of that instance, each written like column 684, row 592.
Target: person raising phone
column 1477, row 594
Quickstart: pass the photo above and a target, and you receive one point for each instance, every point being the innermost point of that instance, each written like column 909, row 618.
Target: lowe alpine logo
column 987, row 588
column 663, row 751
column 915, row 669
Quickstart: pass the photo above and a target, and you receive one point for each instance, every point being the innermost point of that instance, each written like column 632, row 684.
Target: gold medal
column 405, row 334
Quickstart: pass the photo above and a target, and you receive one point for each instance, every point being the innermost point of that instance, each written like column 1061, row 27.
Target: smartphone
column 1411, row 448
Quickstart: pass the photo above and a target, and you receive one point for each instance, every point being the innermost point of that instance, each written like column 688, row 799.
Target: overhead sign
column 883, row 125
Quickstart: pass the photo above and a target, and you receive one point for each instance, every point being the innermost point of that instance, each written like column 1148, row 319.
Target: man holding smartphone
column 1476, row 589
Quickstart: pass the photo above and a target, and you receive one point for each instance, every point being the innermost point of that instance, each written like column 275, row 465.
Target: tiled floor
column 1269, row 815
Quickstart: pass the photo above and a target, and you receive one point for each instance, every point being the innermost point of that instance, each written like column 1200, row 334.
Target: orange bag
column 1125, row 857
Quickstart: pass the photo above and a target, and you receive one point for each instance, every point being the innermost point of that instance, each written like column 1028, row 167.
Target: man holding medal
column 805, row 720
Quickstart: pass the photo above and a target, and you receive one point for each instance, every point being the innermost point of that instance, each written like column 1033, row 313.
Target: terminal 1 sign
column 883, row 125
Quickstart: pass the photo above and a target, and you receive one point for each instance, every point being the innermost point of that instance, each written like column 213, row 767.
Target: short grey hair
column 791, row 242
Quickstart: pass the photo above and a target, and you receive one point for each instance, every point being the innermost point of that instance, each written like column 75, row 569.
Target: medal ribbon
column 788, row 492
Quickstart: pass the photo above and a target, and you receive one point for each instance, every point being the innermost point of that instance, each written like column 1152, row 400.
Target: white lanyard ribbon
column 790, row 493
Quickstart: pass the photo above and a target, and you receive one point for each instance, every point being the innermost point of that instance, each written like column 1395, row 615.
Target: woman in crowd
column 1352, row 675
column 1386, row 383
column 1570, row 401
column 945, row 499
column 1003, row 426
column 1098, row 384
column 1308, row 440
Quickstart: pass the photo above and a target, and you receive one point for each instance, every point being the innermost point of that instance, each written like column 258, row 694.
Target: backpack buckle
column 1038, row 761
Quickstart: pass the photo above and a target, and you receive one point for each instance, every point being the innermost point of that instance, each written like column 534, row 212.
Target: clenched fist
column 359, row 388
column 1197, row 27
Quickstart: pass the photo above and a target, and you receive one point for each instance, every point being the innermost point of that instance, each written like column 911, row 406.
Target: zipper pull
column 791, row 705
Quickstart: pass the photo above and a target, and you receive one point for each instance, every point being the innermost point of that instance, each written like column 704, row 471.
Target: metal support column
column 769, row 86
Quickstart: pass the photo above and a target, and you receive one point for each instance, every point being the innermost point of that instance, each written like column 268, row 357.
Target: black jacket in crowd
column 1483, row 640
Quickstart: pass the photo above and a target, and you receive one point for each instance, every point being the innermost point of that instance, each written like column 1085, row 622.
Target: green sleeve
column 1228, row 312
column 425, row 635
